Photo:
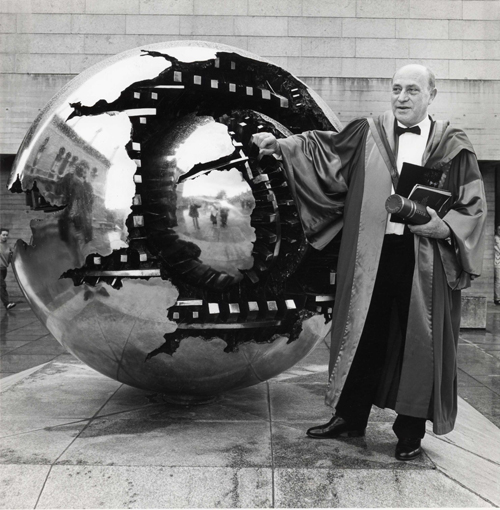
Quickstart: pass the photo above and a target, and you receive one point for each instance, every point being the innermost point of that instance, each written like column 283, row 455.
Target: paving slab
column 21, row 485
column 307, row 402
column 10, row 379
column 11, row 345
column 160, row 441
column 24, row 335
column 477, row 392
column 39, row 446
column 156, row 487
column 494, row 352
column 29, row 327
column 466, row 380
column 43, row 345
column 58, row 392
column 484, row 367
column 19, row 362
column 367, row 488
column 491, row 381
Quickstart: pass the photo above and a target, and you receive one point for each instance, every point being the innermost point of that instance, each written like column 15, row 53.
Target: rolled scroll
column 407, row 210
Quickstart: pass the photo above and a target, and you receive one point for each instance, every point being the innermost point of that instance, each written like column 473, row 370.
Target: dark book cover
column 420, row 184
column 430, row 197
column 412, row 175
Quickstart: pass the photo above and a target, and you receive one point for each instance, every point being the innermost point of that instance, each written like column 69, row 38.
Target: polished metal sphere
column 170, row 257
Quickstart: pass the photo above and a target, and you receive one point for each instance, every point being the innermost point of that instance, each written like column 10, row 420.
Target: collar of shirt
column 411, row 147
column 425, row 127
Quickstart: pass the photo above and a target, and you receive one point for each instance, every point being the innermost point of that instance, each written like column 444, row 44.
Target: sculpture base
column 188, row 400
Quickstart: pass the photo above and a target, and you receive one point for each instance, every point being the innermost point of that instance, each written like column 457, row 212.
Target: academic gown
column 342, row 180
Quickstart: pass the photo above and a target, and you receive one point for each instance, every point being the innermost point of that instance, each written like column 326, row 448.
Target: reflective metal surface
column 213, row 207
column 170, row 258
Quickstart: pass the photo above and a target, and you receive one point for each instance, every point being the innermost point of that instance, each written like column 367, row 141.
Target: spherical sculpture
column 170, row 257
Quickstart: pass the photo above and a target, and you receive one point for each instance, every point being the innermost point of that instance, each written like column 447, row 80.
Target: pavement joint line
column 11, row 380
column 35, row 336
column 42, row 488
column 482, row 350
column 465, row 487
column 83, row 429
column 44, row 428
column 23, row 326
column 480, row 382
column 434, row 465
column 447, row 441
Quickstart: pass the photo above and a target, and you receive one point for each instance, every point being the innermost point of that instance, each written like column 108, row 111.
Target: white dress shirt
column 410, row 150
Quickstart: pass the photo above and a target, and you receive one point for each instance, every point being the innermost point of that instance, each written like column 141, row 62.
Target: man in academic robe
column 396, row 317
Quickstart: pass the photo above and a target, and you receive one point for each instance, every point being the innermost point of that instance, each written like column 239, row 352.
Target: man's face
column 411, row 95
column 4, row 236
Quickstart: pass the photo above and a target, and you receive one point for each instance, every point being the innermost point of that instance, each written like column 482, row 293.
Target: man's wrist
column 447, row 233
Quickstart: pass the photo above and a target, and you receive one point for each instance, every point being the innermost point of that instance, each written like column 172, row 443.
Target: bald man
column 396, row 317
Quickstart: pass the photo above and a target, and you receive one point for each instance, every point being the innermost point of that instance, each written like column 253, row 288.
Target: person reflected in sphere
column 224, row 213
column 193, row 212
column 213, row 214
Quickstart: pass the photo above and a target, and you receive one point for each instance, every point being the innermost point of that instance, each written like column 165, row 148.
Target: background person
column 5, row 258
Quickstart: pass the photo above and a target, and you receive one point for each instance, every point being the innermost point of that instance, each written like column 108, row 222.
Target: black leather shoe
column 336, row 427
column 408, row 449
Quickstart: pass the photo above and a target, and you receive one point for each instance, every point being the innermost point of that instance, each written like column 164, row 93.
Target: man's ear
column 433, row 95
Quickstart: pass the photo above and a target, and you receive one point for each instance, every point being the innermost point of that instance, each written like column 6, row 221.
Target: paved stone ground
column 72, row 438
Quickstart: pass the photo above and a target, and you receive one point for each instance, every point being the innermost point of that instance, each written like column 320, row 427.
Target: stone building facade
column 347, row 50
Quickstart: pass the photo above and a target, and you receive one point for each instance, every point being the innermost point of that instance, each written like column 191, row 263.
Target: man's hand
column 267, row 144
column 435, row 228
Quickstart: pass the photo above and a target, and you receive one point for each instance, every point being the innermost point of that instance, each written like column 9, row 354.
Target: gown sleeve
column 318, row 165
column 463, row 258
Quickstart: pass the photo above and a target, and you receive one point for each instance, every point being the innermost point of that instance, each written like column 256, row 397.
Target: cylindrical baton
column 407, row 209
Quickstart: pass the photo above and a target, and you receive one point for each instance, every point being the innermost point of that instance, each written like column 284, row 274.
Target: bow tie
column 401, row 131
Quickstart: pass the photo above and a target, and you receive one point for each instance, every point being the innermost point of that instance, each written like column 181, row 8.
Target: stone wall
column 347, row 50
column 342, row 44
